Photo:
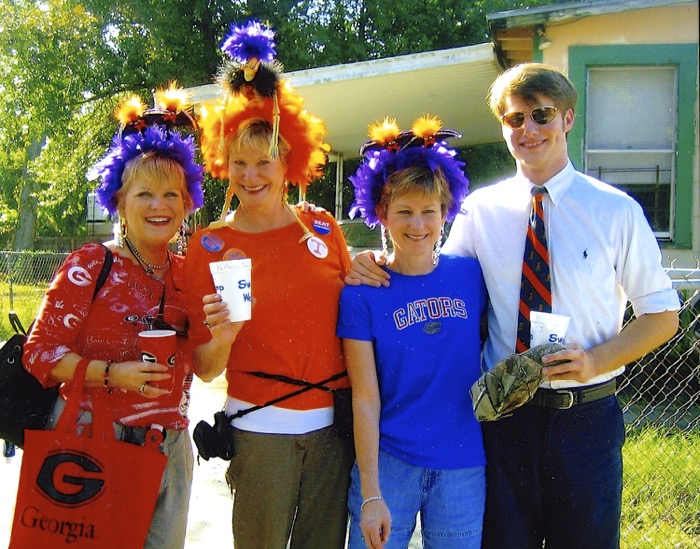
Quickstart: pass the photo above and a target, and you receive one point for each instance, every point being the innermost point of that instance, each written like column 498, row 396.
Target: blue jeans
column 450, row 503
column 555, row 475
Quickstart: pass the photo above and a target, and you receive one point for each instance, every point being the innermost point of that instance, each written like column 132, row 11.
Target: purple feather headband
column 142, row 132
column 252, row 41
column 389, row 151
column 166, row 143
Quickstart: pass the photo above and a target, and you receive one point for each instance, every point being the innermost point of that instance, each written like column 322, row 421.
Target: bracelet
column 373, row 498
column 108, row 363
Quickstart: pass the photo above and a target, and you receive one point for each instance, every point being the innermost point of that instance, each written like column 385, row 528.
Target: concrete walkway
column 209, row 521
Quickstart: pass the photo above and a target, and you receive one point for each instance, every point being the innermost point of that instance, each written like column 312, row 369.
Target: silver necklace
column 150, row 268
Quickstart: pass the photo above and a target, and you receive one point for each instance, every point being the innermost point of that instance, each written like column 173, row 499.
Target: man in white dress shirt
column 554, row 467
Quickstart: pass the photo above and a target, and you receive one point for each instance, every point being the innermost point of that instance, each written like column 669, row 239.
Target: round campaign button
column 317, row 247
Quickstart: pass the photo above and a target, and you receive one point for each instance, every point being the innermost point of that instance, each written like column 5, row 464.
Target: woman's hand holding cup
column 217, row 319
column 135, row 375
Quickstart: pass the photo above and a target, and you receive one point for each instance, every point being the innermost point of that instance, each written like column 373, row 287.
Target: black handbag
column 216, row 441
column 24, row 402
column 343, row 416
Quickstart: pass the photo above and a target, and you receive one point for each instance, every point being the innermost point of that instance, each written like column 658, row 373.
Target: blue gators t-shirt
column 425, row 331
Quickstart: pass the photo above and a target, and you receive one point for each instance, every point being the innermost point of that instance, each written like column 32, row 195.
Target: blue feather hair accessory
column 251, row 41
column 143, row 130
column 390, row 150
column 252, row 68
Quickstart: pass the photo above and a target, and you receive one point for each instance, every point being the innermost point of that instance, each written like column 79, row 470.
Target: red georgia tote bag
column 86, row 489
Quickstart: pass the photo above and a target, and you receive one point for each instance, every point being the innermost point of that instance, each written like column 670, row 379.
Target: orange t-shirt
column 296, row 293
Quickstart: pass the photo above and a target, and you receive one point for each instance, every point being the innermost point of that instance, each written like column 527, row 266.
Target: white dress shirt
column 602, row 254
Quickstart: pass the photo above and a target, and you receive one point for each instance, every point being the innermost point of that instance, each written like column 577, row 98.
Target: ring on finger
column 207, row 324
column 142, row 389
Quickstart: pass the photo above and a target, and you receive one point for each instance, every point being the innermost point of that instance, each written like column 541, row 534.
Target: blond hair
column 256, row 134
column 155, row 168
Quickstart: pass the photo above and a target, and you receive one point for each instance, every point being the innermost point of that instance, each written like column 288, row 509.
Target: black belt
column 563, row 399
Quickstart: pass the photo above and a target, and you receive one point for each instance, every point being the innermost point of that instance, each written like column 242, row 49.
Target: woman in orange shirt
column 291, row 468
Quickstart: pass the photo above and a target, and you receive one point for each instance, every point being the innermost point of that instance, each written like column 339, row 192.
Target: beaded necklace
column 150, row 268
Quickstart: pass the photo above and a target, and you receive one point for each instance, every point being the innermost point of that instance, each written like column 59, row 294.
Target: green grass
column 25, row 302
column 661, row 494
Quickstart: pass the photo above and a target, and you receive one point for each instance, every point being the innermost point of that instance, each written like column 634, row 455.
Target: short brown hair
column 417, row 178
column 528, row 80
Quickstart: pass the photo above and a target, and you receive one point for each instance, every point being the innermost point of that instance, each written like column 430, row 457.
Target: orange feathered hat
column 303, row 131
column 254, row 89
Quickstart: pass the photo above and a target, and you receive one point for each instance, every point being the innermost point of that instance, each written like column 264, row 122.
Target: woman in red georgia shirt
column 150, row 179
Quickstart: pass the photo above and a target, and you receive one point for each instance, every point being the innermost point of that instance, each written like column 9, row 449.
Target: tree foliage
column 64, row 65
column 44, row 57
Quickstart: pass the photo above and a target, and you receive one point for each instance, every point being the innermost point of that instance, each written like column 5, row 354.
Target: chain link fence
column 24, row 278
column 660, row 396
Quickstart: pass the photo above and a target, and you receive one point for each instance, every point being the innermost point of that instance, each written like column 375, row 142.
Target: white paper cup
column 547, row 328
column 159, row 346
column 232, row 282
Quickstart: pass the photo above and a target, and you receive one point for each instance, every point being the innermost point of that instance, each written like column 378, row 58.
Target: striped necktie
column 535, row 286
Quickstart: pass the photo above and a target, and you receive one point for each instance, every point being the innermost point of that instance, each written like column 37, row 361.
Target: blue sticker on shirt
column 212, row 243
column 322, row 227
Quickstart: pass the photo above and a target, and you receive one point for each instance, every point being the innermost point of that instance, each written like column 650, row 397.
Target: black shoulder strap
column 16, row 323
column 302, row 382
column 101, row 279
column 104, row 273
column 306, row 386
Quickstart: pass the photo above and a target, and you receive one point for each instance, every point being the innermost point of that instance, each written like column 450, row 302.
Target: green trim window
column 630, row 136
column 634, row 127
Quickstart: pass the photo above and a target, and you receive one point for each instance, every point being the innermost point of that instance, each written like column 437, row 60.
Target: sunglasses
column 540, row 115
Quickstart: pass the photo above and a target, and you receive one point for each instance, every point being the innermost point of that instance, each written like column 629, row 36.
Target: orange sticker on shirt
column 233, row 253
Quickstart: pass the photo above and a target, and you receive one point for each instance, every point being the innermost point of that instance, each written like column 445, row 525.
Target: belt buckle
column 570, row 394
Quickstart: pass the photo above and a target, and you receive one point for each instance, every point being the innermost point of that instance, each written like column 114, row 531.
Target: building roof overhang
column 569, row 11
column 514, row 32
column 451, row 84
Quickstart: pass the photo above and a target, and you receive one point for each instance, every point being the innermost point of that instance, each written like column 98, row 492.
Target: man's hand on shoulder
column 308, row 207
column 366, row 269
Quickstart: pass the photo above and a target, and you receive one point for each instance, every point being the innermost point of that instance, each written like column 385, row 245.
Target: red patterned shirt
column 106, row 328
